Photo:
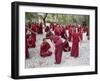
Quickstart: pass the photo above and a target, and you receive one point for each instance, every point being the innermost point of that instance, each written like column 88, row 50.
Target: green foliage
column 59, row 18
column 32, row 17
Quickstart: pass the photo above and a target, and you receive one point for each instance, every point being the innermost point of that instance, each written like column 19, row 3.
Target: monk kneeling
column 44, row 49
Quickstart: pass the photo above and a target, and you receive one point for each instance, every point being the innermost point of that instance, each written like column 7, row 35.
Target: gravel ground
column 36, row 60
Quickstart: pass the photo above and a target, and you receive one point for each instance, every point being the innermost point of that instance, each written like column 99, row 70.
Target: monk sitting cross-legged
column 44, row 49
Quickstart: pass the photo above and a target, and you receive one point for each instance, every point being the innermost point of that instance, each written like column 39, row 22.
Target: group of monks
column 59, row 35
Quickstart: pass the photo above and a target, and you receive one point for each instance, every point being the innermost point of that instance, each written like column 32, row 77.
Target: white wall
column 5, row 38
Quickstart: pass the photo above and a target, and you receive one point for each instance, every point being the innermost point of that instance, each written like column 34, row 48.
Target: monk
column 40, row 28
column 62, row 31
column 34, row 29
column 44, row 49
column 27, row 34
column 52, row 26
column 70, row 32
column 66, row 35
column 26, row 46
column 75, row 44
column 80, row 30
column 30, row 42
column 57, row 30
column 58, row 48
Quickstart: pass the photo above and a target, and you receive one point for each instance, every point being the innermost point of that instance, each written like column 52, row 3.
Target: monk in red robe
column 26, row 45
column 44, row 49
column 57, row 30
column 62, row 31
column 58, row 48
column 52, row 26
column 37, row 27
column 34, row 29
column 40, row 28
column 70, row 33
column 75, row 44
column 30, row 42
column 80, row 30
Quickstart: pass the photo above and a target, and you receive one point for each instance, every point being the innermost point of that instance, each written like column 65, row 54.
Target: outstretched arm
column 30, row 30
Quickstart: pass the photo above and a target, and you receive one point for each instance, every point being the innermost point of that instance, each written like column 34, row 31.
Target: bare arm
column 30, row 30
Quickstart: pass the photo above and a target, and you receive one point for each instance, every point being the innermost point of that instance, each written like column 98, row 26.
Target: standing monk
column 34, row 29
column 27, row 34
column 58, row 48
column 70, row 32
column 41, row 28
column 80, row 30
column 75, row 44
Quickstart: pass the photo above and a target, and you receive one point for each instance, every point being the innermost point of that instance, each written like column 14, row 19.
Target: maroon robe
column 62, row 32
column 75, row 45
column 34, row 28
column 26, row 52
column 30, row 42
column 51, row 26
column 80, row 30
column 26, row 48
column 58, row 49
column 40, row 29
column 57, row 31
column 70, row 33
column 26, row 45
column 44, row 49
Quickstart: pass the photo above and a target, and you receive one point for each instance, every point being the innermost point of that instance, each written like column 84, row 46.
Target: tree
column 43, row 17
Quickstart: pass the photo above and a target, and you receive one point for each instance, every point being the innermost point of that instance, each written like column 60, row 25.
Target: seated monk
column 66, row 47
column 44, row 49
column 31, row 42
